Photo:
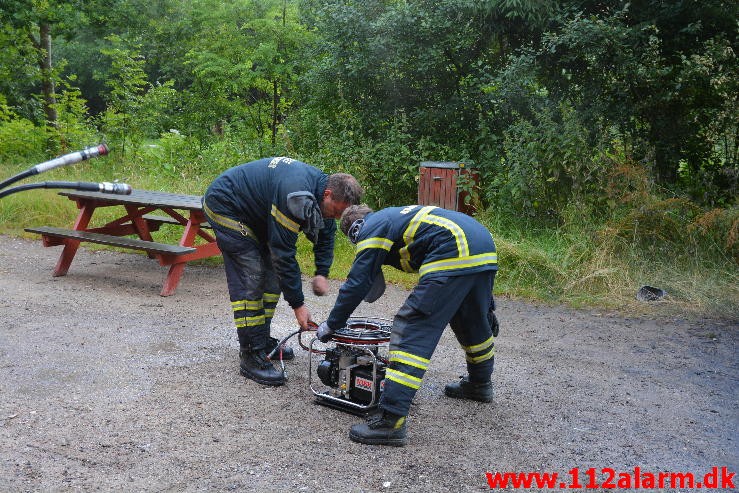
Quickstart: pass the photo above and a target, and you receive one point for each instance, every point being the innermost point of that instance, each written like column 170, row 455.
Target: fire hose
column 277, row 351
column 103, row 187
column 65, row 160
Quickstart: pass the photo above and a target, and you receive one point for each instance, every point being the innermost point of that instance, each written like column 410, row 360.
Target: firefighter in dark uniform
column 456, row 260
column 257, row 210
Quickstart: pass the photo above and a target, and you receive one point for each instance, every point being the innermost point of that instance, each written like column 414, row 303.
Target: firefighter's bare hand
column 302, row 315
column 320, row 285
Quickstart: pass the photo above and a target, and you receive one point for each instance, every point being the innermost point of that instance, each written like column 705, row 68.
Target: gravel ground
column 106, row 386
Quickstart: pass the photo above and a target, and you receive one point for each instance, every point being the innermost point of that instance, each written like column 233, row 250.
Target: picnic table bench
column 183, row 210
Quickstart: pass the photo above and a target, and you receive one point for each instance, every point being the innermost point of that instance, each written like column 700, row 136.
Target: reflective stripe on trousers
column 252, row 285
column 461, row 301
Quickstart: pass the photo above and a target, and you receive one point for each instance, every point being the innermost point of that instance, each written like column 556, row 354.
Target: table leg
column 140, row 225
column 173, row 279
column 70, row 246
column 176, row 270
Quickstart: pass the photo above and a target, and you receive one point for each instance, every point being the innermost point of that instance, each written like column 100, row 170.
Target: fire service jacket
column 432, row 241
column 271, row 200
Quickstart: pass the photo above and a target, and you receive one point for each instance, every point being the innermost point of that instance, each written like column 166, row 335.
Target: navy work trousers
column 461, row 301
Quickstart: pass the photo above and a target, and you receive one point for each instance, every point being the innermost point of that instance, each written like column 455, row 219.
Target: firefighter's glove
column 493, row 321
column 492, row 318
column 324, row 332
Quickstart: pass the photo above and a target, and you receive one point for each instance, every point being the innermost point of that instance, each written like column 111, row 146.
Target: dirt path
column 108, row 387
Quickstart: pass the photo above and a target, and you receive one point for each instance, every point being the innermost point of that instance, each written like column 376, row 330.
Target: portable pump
column 352, row 373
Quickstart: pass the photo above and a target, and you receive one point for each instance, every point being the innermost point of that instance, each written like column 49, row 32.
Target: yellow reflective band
column 409, row 359
column 229, row 223
column 399, row 423
column 408, row 236
column 403, row 378
column 284, row 220
column 406, row 266
column 246, row 305
column 454, row 229
column 480, row 359
column 249, row 321
column 271, row 297
column 459, row 263
column 479, row 347
column 383, row 243
column 269, row 312
column 410, row 231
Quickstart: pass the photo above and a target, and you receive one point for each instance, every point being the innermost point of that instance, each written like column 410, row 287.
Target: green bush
column 385, row 159
column 20, row 140
column 548, row 166
column 172, row 155
column 74, row 129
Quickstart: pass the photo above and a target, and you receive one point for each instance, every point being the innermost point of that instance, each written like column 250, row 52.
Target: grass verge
column 584, row 266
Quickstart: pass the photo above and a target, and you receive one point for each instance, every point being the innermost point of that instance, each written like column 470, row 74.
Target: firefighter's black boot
column 256, row 366
column 464, row 389
column 287, row 351
column 381, row 428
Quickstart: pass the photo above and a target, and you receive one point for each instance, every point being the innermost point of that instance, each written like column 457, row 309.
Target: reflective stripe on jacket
column 255, row 195
column 429, row 240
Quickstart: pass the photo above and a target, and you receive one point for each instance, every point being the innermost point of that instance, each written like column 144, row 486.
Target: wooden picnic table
column 136, row 219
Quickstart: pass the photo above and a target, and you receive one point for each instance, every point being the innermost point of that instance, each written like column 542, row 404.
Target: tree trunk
column 275, row 109
column 276, row 86
column 47, row 81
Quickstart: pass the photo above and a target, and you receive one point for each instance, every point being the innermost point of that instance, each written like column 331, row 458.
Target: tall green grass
column 585, row 262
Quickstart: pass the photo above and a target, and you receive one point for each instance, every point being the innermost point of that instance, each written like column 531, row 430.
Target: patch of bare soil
column 106, row 386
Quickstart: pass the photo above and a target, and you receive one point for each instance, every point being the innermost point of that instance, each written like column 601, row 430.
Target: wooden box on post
column 438, row 182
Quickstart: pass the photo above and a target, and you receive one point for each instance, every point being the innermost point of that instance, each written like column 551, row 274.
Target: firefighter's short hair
column 345, row 188
column 351, row 214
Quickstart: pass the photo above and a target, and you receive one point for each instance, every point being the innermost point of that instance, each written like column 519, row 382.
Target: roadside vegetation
column 605, row 138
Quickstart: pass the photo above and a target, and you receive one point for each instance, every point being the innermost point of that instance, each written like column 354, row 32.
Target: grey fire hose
column 65, row 160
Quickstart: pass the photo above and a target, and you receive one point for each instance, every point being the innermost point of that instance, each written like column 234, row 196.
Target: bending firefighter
column 257, row 210
column 456, row 260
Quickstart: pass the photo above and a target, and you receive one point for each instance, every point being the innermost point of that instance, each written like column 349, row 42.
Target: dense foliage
column 548, row 99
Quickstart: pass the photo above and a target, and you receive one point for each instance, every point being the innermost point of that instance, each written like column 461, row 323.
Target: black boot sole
column 393, row 442
column 271, row 383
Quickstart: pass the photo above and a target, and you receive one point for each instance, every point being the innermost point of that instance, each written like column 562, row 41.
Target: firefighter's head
column 342, row 191
column 352, row 220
